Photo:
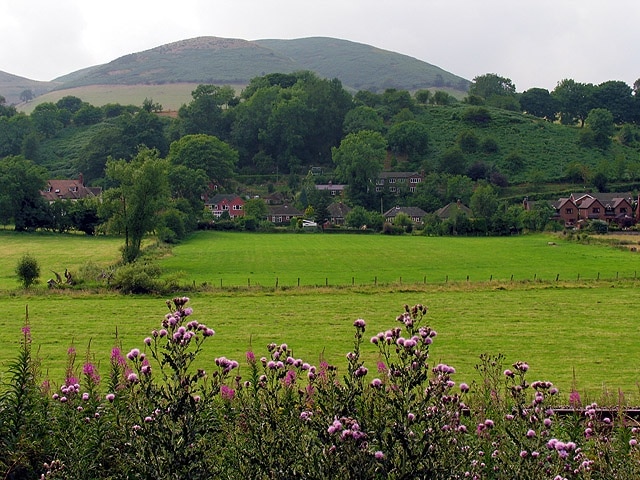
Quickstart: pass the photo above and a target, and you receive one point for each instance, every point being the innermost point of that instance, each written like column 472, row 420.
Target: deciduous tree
column 133, row 206
column 359, row 160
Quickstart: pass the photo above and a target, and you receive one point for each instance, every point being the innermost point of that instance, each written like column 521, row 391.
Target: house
column 338, row 212
column 220, row 203
column 566, row 212
column 282, row 214
column 395, row 181
column 71, row 190
column 448, row 210
column 609, row 207
column 334, row 190
column 416, row 214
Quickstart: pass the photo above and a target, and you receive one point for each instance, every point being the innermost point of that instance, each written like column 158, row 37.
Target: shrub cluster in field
column 156, row 413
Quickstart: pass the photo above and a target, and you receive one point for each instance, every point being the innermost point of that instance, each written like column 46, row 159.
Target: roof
column 283, row 210
column 338, row 210
column 221, row 197
column 409, row 211
column 69, row 190
column 398, row 174
column 448, row 210
column 330, row 186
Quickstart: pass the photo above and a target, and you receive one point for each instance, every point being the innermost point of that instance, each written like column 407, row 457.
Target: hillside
column 223, row 61
column 11, row 86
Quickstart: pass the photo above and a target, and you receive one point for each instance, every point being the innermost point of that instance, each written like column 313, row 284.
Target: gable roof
column 412, row 212
column 69, row 190
column 283, row 210
column 338, row 210
column 223, row 198
column 448, row 210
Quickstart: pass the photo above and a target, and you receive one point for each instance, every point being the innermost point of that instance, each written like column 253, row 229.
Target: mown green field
column 588, row 329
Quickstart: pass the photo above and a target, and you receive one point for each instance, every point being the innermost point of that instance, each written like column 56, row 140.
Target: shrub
column 137, row 277
column 28, row 270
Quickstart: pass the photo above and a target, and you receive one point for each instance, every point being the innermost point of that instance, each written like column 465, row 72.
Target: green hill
column 223, row 61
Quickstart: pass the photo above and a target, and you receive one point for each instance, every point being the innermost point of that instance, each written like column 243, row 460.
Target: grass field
column 586, row 328
column 260, row 259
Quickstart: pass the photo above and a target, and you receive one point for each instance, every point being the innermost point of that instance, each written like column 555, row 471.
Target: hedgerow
column 156, row 413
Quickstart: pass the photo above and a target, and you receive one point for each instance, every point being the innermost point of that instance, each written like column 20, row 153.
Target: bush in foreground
column 156, row 413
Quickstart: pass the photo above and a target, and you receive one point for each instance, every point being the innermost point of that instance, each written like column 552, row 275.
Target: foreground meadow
column 570, row 332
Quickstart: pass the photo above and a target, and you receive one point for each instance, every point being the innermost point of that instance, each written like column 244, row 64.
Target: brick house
column 609, row 207
column 566, row 211
column 70, row 190
column 220, row 203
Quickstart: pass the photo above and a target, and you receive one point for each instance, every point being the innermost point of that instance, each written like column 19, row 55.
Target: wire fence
column 384, row 281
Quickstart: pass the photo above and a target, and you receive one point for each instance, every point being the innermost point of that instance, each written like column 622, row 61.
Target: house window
column 415, row 180
column 392, row 180
column 569, row 211
column 412, row 189
column 333, row 192
column 595, row 210
column 237, row 207
column 392, row 189
column 378, row 189
column 623, row 209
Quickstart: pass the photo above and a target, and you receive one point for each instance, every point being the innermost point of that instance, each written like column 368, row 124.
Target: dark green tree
column 540, row 103
column 615, row 96
column 575, row 100
column 410, row 138
column 21, row 182
column 363, row 117
column 207, row 153
column 359, row 160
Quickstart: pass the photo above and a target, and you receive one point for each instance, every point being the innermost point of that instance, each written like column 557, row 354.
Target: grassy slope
column 547, row 148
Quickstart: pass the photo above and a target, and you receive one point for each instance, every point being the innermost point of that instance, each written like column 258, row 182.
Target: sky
column 534, row 43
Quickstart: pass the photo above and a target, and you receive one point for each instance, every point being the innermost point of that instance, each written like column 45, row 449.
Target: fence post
column 557, row 277
column 491, row 278
column 375, row 281
column 276, row 282
column 353, row 281
column 249, row 282
column 220, row 283
column 598, row 275
column 512, row 277
column 446, row 279
column 400, row 280
column 326, row 281
column 425, row 280
column 298, row 281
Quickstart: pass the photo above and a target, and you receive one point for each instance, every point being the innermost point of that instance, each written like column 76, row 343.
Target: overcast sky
column 535, row 43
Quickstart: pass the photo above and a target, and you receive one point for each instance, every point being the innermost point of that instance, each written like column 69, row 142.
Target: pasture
column 568, row 330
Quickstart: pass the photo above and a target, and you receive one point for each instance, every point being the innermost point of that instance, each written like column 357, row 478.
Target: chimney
column 81, row 180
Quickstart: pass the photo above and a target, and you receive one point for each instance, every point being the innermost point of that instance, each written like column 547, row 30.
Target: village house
column 220, row 203
column 69, row 190
column 395, row 181
column 416, row 214
column 615, row 208
column 282, row 214
column 338, row 211
column 452, row 208
column 334, row 190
